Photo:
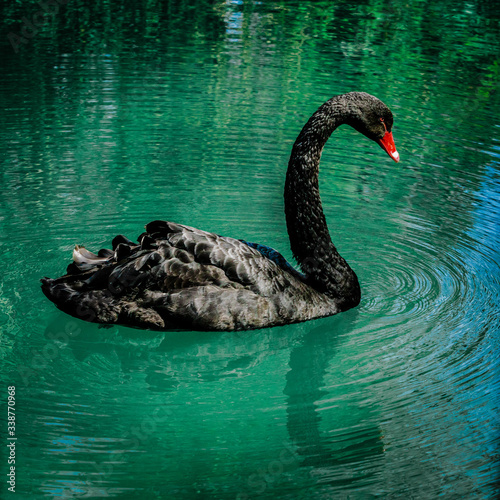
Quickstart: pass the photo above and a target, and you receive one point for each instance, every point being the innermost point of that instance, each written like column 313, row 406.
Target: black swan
column 180, row 277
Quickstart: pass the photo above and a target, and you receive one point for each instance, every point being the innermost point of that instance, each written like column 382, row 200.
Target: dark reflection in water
column 127, row 112
column 309, row 362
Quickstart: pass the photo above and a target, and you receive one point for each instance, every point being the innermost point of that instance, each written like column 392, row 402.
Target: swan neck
column 310, row 239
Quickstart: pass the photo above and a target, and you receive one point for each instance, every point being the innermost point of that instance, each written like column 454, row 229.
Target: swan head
column 371, row 117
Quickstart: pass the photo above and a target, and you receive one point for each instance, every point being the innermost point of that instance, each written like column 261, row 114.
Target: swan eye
column 383, row 123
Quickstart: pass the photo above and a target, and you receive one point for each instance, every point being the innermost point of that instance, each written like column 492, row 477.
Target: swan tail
column 84, row 260
column 91, row 292
column 98, row 305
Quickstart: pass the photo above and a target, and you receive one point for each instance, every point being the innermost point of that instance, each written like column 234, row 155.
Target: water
column 119, row 116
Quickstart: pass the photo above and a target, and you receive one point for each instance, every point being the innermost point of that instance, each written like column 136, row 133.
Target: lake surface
column 129, row 112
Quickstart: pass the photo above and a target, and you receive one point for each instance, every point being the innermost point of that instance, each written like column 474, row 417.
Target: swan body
column 177, row 276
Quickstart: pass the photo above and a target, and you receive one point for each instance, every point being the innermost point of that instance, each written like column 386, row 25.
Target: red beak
column 387, row 144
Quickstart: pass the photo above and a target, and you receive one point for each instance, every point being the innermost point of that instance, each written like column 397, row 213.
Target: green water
column 121, row 113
